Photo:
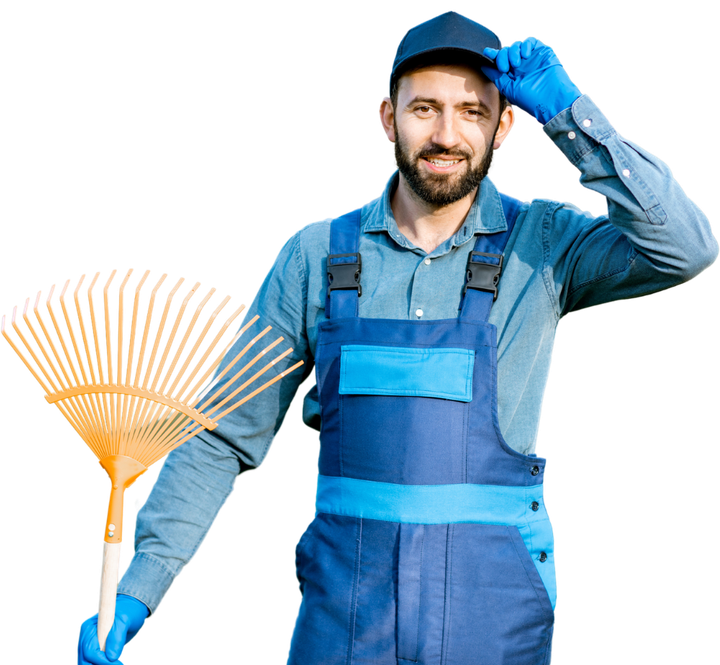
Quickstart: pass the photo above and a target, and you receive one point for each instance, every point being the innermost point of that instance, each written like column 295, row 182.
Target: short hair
column 447, row 61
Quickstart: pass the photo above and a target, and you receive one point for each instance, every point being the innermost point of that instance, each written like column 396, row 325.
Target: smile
column 443, row 162
column 439, row 165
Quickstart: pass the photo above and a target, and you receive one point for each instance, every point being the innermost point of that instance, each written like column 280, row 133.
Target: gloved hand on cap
column 530, row 75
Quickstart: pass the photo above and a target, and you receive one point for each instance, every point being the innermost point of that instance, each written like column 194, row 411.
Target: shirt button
column 427, row 262
column 587, row 122
column 572, row 135
column 543, row 557
column 535, row 470
column 535, row 505
column 626, row 172
column 418, row 312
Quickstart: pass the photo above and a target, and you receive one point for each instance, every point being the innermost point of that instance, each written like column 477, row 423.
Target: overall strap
column 343, row 267
column 484, row 266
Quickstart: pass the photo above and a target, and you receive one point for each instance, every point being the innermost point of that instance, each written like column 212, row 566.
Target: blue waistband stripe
column 428, row 504
column 415, row 372
column 447, row 504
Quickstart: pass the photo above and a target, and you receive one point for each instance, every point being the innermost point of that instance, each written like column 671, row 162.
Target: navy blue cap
column 448, row 38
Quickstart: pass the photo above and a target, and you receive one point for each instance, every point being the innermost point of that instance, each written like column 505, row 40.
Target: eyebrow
column 475, row 103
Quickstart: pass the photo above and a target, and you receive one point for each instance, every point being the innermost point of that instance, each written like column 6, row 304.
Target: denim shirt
column 557, row 260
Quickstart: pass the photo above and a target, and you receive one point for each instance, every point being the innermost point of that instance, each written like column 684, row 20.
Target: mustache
column 433, row 150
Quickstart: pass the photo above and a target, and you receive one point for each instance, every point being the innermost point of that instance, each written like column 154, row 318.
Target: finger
column 88, row 655
column 91, row 655
column 502, row 62
column 89, row 652
column 490, row 53
column 116, row 639
column 492, row 73
column 527, row 47
column 514, row 54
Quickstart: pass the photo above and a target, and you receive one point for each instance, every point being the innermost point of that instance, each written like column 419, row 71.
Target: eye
column 423, row 110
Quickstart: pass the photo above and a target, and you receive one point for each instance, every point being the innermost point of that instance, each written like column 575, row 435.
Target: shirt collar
column 485, row 216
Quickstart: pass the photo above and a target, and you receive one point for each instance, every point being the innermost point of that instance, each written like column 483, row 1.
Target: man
column 431, row 328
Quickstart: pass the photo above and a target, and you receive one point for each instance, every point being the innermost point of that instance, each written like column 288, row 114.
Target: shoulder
column 316, row 231
column 308, row 241
column 553, row 229
column 536, row 216
column 314, row 239
column 557, row 216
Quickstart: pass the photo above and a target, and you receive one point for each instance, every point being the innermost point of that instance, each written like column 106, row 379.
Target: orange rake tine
column 129, row 410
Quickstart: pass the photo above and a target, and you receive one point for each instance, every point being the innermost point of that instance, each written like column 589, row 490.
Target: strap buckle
column 483, row 276
column 344, row 275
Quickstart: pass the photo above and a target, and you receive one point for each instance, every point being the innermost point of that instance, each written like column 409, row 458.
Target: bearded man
column 430, row 315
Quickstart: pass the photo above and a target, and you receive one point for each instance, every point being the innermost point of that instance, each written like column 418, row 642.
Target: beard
column 440, row 189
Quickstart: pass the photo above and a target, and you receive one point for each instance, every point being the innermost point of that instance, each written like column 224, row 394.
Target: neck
column 425, row 225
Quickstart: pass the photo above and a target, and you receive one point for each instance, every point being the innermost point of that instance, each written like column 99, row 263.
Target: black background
column 197, row 145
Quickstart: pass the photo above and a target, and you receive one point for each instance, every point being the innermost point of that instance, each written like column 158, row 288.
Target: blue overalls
column 431, row 543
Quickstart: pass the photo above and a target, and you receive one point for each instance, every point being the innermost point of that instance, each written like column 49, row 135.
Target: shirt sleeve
column 653, row 236
column 198, row 476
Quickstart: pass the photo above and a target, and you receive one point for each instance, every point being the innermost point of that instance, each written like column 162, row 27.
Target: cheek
column 472, row 138
column 478, row 143
column 414, row 136
column 485, row 138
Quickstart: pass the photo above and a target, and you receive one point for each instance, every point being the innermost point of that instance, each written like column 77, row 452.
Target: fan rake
column 135, row 410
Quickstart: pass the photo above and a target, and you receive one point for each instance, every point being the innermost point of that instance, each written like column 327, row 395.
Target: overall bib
column 431, row 543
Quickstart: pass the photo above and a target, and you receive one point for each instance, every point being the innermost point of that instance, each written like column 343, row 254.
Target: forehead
column 448, row 83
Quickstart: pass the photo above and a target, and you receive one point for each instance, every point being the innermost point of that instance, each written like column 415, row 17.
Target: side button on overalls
column 431, row 543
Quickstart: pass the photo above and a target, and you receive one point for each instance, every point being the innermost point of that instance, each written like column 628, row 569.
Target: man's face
column 445, row 125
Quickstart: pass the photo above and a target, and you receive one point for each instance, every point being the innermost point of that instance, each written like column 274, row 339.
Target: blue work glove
column 130, row 614
column 530, row 75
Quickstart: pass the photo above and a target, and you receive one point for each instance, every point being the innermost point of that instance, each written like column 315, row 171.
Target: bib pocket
column 444, row 373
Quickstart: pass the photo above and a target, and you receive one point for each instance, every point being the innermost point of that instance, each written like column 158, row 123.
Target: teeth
column 443, row 162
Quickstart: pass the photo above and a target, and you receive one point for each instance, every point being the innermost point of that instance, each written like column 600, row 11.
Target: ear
column 507, row 119
column 387, row 115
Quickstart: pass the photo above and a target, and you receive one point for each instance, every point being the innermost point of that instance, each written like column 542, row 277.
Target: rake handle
column 122, row 471
column 108, row 591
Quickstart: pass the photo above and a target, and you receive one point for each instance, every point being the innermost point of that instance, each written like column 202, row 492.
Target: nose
column 446, row 132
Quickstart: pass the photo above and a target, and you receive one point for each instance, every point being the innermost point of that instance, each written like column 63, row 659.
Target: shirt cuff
column 579, row 129
column 147, row 579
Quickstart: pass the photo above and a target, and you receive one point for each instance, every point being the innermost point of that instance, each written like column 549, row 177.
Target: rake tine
column 113, row 401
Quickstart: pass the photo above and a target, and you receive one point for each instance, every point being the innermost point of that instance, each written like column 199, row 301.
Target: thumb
column 492, row 73
column 116, row 639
